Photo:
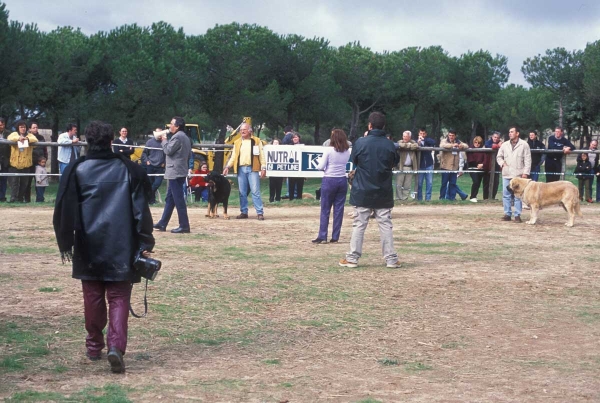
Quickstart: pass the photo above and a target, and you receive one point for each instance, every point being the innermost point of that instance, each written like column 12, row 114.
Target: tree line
column 139, row 77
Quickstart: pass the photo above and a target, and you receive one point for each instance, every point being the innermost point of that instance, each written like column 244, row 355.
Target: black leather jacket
column 115, row 220
column 373, row 157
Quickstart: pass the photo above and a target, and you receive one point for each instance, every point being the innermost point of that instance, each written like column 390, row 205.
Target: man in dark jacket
column 494, row 143
column 119, row 145
column 374, row 158
column 177, row 149
column 102, row 221
column 554, row 160
column 425, row 164
column 153, row 160
column 537, row 159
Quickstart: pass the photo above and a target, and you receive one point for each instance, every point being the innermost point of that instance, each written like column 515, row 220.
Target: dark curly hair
column 99, row 135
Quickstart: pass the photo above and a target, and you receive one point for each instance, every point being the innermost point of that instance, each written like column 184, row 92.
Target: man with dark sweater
column 374, row 158
column 425, row 164
column 118, row 144
column 554, row 160
column 153, row 160
column 537, row 159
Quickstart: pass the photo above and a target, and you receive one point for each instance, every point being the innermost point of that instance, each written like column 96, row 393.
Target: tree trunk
column 587, row 135
column 414, row 122
column 219, row 156
column 560, row 111
column 354, row 122
column 317, row 133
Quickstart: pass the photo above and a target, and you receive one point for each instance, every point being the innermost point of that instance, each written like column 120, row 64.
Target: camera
column 146, row 266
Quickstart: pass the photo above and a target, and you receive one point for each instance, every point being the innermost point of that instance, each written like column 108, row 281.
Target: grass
column 416, row 367
column 21, row 250
column 49, row 289
column 107, row 394
column 25, row 345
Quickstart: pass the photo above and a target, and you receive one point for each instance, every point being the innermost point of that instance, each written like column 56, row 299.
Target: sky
column 517, row 29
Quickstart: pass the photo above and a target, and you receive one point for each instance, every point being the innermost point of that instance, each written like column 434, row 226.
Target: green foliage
column 140, row 77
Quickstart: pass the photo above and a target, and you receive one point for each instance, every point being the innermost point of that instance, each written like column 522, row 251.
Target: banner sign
column 295, row 161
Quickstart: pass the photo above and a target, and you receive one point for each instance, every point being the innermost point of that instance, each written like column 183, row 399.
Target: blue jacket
column 426, row 158
column 558, row 144
column 373, row 157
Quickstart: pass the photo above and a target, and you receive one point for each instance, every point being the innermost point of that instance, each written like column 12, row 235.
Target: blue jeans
column 246, row 177
column 62, row 166
column 507, row 199
column 175, row 199
column 39, row 194
column 3, row 182
column 535, row 172
column 428, row 177
column 448, row 188
column 156, row 181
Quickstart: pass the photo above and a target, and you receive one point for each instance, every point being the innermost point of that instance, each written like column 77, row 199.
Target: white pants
column 384, row 220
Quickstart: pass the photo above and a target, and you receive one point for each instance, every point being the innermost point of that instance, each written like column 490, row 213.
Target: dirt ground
column 249, row 311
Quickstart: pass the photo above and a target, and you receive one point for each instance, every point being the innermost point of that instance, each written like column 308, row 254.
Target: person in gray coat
column 177, row 150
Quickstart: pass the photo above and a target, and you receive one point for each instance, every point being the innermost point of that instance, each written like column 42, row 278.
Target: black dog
column 219, row 190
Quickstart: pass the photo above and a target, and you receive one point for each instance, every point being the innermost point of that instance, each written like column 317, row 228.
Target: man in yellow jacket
column 21, row 161
column 248, row 160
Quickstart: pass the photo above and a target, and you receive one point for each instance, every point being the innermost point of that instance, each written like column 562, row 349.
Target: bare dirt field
column 250, row 311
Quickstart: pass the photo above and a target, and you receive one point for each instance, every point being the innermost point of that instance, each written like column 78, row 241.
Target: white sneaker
column 345, row 263
column 396, row 265
column 474, row 200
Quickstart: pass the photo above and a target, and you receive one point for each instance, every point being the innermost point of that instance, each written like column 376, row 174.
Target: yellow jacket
column 258, row 161
column 21, row 159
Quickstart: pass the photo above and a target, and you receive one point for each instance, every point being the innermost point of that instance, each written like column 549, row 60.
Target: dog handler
column 102, row 220
column 514, row 157
column 247, row 160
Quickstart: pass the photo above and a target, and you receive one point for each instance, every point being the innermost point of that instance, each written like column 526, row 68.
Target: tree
column 591, row 78
column 555, row 72
column 361, row 76
column 153, row 74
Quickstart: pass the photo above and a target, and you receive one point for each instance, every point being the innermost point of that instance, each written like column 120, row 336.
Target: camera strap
column 145, row 303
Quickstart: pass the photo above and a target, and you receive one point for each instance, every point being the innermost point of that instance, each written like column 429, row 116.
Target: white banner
column 295, row 161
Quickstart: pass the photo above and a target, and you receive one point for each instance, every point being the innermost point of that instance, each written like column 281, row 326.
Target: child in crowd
column 585, row 173
column 41, row 179
column 198, row 184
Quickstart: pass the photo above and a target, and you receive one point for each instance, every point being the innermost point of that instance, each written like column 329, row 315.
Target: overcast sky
column 515, row 28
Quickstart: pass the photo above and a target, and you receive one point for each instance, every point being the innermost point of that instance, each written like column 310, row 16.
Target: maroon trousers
column 117, row 294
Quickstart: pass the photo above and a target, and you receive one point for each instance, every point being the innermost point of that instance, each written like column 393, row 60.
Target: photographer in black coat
column 102, row 221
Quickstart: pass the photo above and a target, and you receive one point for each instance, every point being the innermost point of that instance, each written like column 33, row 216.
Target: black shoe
column 180, row 230
column 159, row 227
column 92, row 357
column 518, row 218
column 333, row 241
column 318, row 240
column 115, row 358
column 506, row 218
column 242, row 216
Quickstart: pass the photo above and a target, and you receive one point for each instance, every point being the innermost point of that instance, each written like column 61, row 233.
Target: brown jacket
column 449, row 159
column 408, row 148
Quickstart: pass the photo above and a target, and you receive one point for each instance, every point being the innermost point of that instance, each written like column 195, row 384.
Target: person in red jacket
column 198, row 184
